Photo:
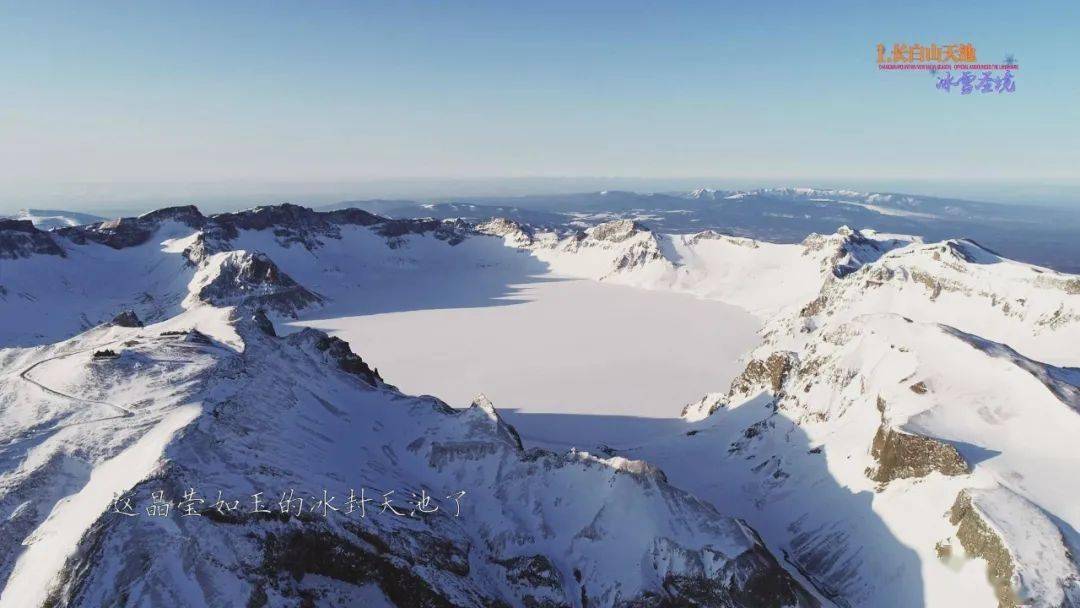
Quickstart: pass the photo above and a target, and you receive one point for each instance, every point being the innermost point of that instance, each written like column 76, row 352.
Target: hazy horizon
column 111, row 199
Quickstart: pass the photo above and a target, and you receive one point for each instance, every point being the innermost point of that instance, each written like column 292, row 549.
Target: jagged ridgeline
column 162, row 380
column 902, row 435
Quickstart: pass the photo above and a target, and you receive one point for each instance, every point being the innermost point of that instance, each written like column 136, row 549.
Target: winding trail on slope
column 123, row 411
column 25, row 375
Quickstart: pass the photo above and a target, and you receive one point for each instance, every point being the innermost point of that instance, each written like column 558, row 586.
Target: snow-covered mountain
column 902, row 432
column 899, row 437
column 207, row 405
column 1045, row 236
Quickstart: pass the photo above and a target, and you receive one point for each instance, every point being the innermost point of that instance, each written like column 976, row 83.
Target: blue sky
column 266, row 92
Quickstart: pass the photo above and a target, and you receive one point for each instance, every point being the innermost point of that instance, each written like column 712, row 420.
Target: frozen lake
column 610, row 354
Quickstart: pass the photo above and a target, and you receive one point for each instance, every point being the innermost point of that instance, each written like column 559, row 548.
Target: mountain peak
column 21, row 239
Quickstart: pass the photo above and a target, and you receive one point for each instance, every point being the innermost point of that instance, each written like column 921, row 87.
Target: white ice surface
column 559, row 347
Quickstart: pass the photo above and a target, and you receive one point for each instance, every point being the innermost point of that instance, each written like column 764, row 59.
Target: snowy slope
column 849, row 454
column 48, row 297
column 763, row 278
column 900, row 436
column 210, row 398
column 883, row 391
column 301, row 413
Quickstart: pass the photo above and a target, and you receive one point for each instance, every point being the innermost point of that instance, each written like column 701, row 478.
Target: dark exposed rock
column 638, row 255
column 814, row 307
column 207, row 243
column 919, row 388
column 185, row 214
column 263, row 323
column 615, row 231
column 127, row 318
column 851, row 250
column 935, row 286
column 846, row 261
column 770, row 373
column 195, row 336
column 537, row 580
column 338, row 350
column 192, row 336
column 980, row 540
column 291, row 224
column 353, row 217
column 294, row 216
column 254, row 279
column 132, row 231
column 753, row 579
column 902, row 455
column 451, row 231
column 20, row 239
column 297, row 553
column 750, row 434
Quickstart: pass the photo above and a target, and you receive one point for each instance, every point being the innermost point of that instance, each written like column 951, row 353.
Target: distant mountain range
column 1040, row 235
column 47, row 219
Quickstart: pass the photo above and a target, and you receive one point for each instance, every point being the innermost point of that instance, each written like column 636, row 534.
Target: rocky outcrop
column 20, row 239
column 347, row 361
column 901, row 455
column 263, row 323
column 536, row 581
column 295, row 553
column 638, row 254
column 704, row 407
column 322, row 346
column 848, row 250
column 295, row 217
column 483, row 413
column 753, row 578
column 713, row 235
column 292, row 224
column 770, row 373
column 1028, row 561
column 614, row 232
column 518, row 235
column 127, row 318
column 253, row 279
column 133, row 231
column 979, row 539
column 452, row 232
